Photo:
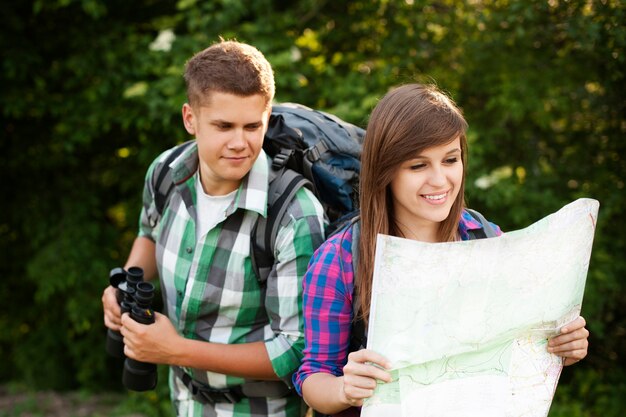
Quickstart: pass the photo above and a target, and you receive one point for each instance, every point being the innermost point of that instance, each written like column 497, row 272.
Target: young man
column 232, row 343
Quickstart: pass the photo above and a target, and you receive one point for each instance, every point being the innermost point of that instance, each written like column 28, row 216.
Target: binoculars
column 134, row 297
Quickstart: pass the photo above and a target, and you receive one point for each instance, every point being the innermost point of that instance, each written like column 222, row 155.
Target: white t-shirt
column 211, row 210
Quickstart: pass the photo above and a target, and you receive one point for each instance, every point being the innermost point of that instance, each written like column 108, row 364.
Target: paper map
column 466, row 324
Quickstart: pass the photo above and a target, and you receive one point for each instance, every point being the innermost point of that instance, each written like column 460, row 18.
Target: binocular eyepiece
column 134, row 297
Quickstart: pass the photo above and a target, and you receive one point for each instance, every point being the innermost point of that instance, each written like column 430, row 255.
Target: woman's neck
column 425, row 233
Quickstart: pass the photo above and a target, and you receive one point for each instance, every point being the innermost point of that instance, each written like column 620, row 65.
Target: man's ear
column 269, row 115
column 189, row 119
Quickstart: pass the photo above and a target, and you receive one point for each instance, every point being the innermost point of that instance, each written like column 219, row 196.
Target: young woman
column 412, row 186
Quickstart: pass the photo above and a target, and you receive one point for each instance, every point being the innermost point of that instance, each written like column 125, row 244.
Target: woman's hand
column 364, row 367
column 572, row 343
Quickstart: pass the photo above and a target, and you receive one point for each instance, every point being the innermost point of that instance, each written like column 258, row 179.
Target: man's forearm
column 247, row 360
column 143, row 255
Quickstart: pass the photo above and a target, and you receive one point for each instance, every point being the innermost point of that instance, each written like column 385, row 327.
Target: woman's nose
column 437, row 176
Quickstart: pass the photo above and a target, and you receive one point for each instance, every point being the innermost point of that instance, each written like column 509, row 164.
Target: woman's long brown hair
column 405, row 122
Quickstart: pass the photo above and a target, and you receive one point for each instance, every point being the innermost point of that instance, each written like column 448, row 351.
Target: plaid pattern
column 211, row 292
column 328, row 289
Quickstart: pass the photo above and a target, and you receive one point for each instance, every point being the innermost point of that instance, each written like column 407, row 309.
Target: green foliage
column 603, row 394
column 92, row 90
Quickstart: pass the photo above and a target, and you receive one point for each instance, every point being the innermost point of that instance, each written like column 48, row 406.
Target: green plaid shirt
column 210, row 290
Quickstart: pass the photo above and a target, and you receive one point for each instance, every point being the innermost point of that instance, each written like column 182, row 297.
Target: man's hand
column 112, row 311
column 153, row 343
column 572, row 343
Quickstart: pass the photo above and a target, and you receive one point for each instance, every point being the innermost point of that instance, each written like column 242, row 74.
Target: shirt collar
column 466, row 224
column 253, row 191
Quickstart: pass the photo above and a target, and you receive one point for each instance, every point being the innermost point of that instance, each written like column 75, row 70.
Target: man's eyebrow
column 226, row 122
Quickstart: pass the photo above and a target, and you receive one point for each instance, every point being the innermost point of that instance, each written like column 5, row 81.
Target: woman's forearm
column 323, row 393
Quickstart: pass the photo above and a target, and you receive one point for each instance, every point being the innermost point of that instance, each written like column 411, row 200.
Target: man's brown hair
column 228, row 67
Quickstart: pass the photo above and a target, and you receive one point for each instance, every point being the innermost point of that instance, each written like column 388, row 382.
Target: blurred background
column 91, row 92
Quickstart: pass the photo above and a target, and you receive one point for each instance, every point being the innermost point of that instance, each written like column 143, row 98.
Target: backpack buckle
column 212, row 396
column 281, row 158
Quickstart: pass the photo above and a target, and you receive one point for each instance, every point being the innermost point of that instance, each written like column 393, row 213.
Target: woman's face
column 424, row 189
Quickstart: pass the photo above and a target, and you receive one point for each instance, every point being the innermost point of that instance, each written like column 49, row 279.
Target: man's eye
column 253, row 128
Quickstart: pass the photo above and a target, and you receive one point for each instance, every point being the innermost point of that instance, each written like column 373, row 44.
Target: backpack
column 358, row 333
column 308, row 148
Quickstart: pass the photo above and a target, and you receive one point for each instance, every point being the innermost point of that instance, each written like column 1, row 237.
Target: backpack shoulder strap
column 486, row 232
column 283, row 186
column 162, row 177
column 358, row 333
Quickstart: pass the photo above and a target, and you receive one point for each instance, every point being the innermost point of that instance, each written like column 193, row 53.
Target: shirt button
column 180, row 293
column 189, row 249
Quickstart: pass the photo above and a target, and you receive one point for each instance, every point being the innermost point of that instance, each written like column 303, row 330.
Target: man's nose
column 238, row 140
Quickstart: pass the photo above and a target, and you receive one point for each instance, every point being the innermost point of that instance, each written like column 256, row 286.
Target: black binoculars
column 134, row 297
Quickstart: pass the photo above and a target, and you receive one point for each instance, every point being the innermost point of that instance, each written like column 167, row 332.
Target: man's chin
column 235, row 177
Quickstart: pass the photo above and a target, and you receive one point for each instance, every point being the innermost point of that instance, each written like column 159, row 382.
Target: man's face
column 229, row 131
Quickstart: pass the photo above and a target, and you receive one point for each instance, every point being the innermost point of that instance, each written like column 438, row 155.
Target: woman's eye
column 416, row 167
column 451, row 160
